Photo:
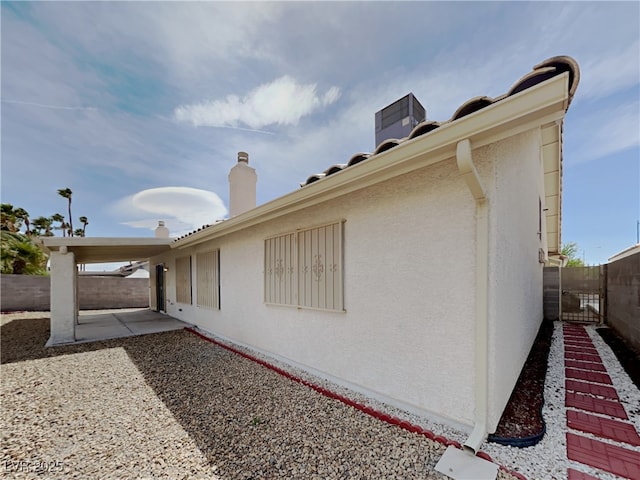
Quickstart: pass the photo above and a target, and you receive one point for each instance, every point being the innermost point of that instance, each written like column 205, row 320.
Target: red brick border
column 611, row 458
column 596, row 405
column 604, row 427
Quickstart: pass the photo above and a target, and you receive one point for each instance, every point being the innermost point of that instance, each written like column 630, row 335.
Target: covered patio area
column 93, row 326
column 65, row 254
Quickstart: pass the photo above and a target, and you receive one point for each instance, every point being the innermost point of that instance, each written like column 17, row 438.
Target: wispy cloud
column 182, row 208
column 44, row 105
column 600, row 133
column 607, row 74
column 281, row 102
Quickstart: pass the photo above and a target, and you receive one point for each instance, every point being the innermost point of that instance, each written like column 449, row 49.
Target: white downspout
column 470, row 175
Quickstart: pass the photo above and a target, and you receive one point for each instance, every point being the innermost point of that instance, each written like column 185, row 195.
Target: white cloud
column 283, row 102
column 182, row 208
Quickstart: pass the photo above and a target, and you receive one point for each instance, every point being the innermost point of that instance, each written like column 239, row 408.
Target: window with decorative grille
column 304, row 269
column 183, row 280
column 208, row 279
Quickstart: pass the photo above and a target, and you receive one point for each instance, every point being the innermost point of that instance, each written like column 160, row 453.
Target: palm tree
column 8, row 217
column 58, row 217
column 85, row 222
column 78, row 232
column 42, row 223
column 23, row 216
column 20, row 255
column 66, row 193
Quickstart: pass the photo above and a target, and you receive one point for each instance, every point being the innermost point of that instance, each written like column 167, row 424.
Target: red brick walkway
column 593, row 408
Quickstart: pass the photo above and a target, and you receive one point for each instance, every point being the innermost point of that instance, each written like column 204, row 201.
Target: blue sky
column 120, row 101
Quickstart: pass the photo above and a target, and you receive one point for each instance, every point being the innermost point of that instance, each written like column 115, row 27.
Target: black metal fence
column 584, row 293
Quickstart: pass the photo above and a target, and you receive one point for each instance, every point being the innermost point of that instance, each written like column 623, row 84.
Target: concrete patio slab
column 95, row 326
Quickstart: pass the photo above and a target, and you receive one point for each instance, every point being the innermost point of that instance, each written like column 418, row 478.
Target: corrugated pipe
column 470, row 175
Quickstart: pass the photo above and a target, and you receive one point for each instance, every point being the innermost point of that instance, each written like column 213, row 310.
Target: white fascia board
column 54, row 243
column 531, row 108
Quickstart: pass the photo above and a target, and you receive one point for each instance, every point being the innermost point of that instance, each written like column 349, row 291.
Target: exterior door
column 160, row 288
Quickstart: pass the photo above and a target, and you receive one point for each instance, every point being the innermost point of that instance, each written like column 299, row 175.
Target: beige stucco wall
column 407, row 335
column 516, row 306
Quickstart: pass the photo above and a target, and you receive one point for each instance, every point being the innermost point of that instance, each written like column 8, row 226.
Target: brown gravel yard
column 171, row 405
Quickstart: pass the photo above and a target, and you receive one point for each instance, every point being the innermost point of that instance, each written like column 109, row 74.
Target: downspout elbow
column 468, row 170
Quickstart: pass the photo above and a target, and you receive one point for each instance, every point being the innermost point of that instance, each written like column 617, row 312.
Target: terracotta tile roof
column 191, row 233
column 543, row 71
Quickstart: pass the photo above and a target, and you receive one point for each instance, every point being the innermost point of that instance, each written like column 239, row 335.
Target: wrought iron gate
column 584, row 293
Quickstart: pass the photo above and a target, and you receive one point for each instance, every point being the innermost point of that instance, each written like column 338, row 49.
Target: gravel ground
column 171, row 405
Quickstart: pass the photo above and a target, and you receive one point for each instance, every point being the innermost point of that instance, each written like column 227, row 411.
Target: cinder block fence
column 623, row 298
column 31, row 293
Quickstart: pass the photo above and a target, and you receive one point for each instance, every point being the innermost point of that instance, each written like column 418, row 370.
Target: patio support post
column 64, row 297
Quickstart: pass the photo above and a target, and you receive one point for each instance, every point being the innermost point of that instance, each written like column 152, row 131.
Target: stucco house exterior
column 413, row 274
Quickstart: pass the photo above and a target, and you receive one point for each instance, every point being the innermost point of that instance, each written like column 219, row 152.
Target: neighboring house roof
column 540, row 98
column 627, row 252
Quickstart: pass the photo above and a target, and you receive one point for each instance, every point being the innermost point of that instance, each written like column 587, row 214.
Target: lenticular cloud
column 182, row 208
column 281, row 102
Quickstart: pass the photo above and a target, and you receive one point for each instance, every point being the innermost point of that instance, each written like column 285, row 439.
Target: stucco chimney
column 242, row 186
column 161, row 231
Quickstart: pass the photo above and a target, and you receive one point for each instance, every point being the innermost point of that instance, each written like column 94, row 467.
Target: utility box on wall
column 398, row 119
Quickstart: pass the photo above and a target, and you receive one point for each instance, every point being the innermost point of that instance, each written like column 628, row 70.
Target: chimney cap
column 243, row 157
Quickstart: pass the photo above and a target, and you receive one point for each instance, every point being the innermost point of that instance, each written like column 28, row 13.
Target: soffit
column 552, row 164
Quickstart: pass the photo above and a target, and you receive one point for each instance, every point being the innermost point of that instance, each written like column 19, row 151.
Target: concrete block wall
column 623, row 298
column 32, row 293
column 24, row 292
column 551, row 293
column 112, row 292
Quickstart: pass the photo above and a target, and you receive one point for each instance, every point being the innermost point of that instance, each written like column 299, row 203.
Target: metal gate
column 584, row 293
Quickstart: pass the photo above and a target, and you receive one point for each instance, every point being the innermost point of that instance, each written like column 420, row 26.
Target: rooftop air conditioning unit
column 398, row 119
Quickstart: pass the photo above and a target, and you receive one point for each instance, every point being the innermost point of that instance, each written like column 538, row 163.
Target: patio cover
column 103, row 250
column 67, row 252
